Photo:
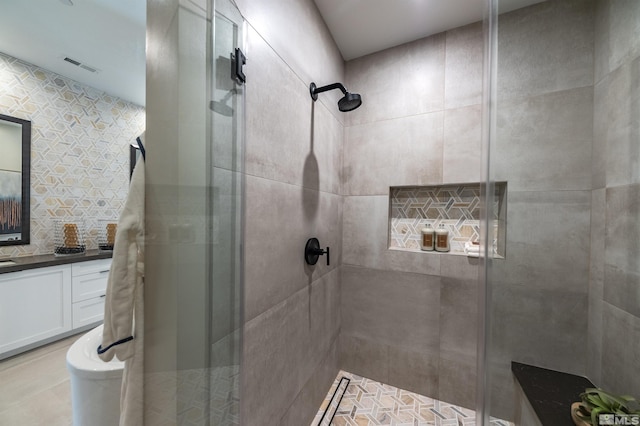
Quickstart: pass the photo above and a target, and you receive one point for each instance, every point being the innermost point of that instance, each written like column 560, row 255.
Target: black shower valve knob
column 312, row 252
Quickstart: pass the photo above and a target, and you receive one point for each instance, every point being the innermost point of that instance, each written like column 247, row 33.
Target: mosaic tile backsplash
column 455, row 206
column 79, row 149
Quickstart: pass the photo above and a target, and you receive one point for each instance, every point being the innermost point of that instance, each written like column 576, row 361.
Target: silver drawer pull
column 104, row 295
column 104, row 272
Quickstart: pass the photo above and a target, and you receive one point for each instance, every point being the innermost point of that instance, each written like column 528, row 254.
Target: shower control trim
column 312, row 252
column 237, row 62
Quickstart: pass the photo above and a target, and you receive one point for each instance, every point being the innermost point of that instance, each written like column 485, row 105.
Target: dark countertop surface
column 550, row 392
column 41, row 261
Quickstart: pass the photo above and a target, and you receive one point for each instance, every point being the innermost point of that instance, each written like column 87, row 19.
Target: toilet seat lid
column 83, row 359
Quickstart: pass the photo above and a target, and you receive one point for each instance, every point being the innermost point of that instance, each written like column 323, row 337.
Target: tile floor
column 35, row 391
column 366, row 402
column 35, row 388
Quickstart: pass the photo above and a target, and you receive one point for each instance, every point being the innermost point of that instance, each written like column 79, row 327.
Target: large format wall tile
column 457, row 381
column 503, row 390
column 394, row 308
column 289, row 334
column 415, row 371
column 458, row 318
column 617, row 125
column 545, row 48
column 313, row 393
column 622, row 250
column 617, row 34
column 280, row 218
column 293, row 186
column 462, row 145
column 365, row 239
column 601, row 37
column 544, row 142
column 275, row 152
column 291, row 151
column 296, row 31
column 403, row 151
column 548, row 236
column 80, row 140
column 398, row 82
column 365, row 357
column 543, row 327
column 596, row 284
column 270, row 350
column 620, row 351
column 594, row 339
column 461, row 267
column 464, row 66
column 600, row 148
column 323, row 163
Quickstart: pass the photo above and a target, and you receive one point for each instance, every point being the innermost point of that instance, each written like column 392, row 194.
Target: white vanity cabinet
column 34, row 305
column 40, row 305
column 89, row 286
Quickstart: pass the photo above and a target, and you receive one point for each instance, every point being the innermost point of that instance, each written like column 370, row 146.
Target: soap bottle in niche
column 442, row 238
column 427, row 241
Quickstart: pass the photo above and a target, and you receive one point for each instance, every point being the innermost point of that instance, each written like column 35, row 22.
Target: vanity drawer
column 91, row 267
column 88, row 312
column 89, row 286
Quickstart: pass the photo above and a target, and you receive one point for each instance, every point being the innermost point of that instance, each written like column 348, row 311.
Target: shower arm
column 315, row 90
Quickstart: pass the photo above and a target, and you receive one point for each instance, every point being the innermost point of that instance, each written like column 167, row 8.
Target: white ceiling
column 109, row 35
column 360, row 27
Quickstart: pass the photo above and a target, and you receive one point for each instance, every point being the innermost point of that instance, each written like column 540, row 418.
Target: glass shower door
column 194, row 183
column 565, row 297
column 226, row 133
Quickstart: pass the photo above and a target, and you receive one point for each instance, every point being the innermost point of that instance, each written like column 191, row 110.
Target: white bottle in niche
column 442, row 238
column 427, row 241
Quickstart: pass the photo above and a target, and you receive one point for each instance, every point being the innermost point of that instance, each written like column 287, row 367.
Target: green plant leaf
column 597, row 401
column 612, row 399
column 594, row 415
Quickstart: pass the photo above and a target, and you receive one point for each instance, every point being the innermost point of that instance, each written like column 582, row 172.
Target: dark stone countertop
column 550, row 392
column 41, row 261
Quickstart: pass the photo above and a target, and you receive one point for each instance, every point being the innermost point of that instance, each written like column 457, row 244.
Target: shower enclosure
column 528, row 120
column 565, row 135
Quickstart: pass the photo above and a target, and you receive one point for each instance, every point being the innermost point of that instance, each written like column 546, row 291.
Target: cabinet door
column 34, row 305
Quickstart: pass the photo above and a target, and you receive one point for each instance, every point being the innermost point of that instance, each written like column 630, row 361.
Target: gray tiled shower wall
column 543, row 149
column 409, row 318
column 614, row 304
column 293, row 192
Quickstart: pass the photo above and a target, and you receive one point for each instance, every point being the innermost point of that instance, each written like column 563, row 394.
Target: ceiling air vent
column 88, row 68
column 71, row 61
column 80, row 64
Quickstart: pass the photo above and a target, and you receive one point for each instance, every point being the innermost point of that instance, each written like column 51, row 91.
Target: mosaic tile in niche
column 457, row 207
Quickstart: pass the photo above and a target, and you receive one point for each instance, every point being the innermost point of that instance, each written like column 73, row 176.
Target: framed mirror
column 15, row 173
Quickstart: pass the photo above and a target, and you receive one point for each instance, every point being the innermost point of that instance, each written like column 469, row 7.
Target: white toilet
column 95, row 384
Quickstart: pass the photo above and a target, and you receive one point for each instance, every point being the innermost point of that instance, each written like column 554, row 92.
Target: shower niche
column 456, row 206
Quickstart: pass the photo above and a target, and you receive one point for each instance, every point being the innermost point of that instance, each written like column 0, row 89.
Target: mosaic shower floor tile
column 357, row 401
